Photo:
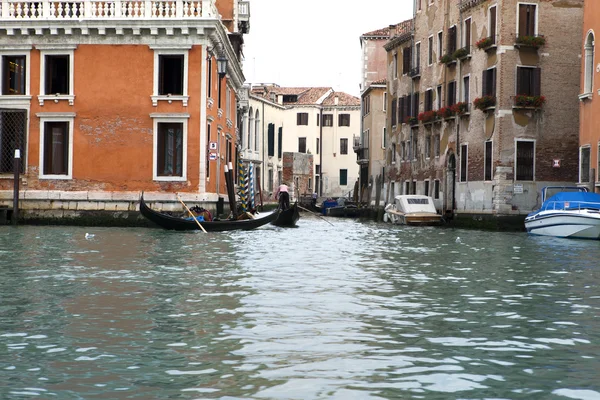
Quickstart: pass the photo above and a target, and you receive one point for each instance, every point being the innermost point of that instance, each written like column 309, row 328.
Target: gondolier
column 283, row 196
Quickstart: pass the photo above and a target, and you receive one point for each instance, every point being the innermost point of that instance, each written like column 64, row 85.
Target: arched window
column 588, row 80
column 256, row 130
column 250, row 128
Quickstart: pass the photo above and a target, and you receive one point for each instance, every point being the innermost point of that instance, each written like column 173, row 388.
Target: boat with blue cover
column 566, row 212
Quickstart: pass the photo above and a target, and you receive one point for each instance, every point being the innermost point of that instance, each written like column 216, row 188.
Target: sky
column 312, row 43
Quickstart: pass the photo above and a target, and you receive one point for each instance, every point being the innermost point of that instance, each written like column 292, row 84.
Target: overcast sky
column 314, row 42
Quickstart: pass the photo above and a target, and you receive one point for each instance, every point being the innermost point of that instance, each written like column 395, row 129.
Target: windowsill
column 526, row 108
column 170, row 178
column 56, row 98
column 56, row 177
column 465, row 58
column 14, row 99
column 586, row 96
column 170, row 99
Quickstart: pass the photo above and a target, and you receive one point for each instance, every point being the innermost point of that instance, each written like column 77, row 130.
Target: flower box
column 522, row 100
column 446, row 112
column 484, row 102
column 411, row 120
column 485, row 43
column 447, row 59
column 461, row 53
column 530, row 41
column 427, row 116
column 460, row 108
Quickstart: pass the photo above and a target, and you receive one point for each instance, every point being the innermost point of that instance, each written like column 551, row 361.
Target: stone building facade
column 482, row 91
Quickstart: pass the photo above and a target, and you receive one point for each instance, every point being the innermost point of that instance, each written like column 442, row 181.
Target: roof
column 391, row 30
column 305, row 95
column 403, row 32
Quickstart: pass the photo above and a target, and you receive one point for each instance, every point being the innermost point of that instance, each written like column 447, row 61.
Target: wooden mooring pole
column 17, row 169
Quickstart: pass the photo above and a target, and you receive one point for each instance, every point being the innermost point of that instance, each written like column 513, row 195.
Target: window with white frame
column 588, row 80
column 384, row 101
column 56, row 145
column 466, row 37
column 430, row 51
column 440, row 44
column 525, row 160
column 395, row 66
column 170, row 74
column 466, row 91
column 527, row 19
column 584, row 164
column 56, row 73
column 436, row 146
column 170, row 147
column 428, row 147
column 394, row 152
column 15, row 72
column 384, row 138
column 228, row 103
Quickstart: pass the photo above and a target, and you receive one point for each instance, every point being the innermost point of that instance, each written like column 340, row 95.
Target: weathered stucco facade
column 117, row 98
column 485, row 117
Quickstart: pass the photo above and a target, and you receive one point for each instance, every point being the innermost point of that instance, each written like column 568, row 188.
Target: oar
column 315, row 214
column 191, row 214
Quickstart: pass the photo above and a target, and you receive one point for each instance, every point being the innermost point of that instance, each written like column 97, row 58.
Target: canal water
column 357, row 310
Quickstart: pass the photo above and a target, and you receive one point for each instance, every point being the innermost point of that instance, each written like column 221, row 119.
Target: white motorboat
column 412, row 209
column 566, row 212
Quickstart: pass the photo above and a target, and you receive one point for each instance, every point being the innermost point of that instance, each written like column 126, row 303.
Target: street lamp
column 222, row 66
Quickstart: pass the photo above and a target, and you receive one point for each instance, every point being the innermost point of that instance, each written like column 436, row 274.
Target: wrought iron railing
column 13, row 125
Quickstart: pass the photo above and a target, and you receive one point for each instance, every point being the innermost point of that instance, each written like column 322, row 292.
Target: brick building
column 483, row 92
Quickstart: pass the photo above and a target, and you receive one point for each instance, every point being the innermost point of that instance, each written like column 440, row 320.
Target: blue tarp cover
column 572, row 200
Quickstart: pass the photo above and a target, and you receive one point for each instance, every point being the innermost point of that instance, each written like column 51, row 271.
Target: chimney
column 336, row 100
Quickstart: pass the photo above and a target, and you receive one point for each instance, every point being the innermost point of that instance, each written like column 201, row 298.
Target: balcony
column 415, row 72
column 487, row 44
column 464, row 53
column 448, row 59
column 534, row 41
column 362, row 156
column 98, row 10
column 525, row 102
column 244, row 16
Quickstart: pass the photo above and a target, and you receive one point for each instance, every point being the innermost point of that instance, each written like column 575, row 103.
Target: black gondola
column 180, row 224
column 288, row 217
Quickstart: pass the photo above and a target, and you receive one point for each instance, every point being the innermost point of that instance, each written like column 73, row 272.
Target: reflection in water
column 354, row 310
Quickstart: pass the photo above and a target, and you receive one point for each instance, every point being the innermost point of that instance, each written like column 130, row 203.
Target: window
column 367, row 105
column 466, row 89
column 584, row 164
column 57, row 76
column 588, row 81
column 318, row 146
column 440, row 44
column 487, row 167
column 467, row 34
column 384, row 138
column 406, row 60
column 228, row 103
column 402, row 150
column 426, row 188
column 492, row 24
column 415, row 105
column 394, row 114
column 395, row 65
column 270, row 180
column 343, row 177
column 525, row 156
column 417, row 60
column 439, row 96
column 452, row 39
column 436, row 145
column 208, row 151
column 415, row 144
column 14, row 72
column 527, row 20
column 170, row 75
column 302, row 119
column 488, row 82
column 529, row 81
column 302, row 145
column 209, row 72
column 56, row 147
column 407, row 187
column 344, row 146
column 436, row 189
column 428, row 147
column 413, row 189
column 394, row 151
column 344, row 120
column 428, row 105
column 271, row 140
column 463, row 162
column 384, row 102
column 451, row 94
column 430, row 51
column 327, row 119
column 280, row 142
column 169, row 150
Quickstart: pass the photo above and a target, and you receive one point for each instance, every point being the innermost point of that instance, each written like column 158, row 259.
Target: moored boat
column 566, row 212
column 289, row 217
column 188, row 224
column 412, row 209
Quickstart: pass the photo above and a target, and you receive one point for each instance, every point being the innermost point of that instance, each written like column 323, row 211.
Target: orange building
column 106, row 99
column 589, row 109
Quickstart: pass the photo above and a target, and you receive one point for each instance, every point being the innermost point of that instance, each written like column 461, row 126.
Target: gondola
column 180, row 224
column 288, row 217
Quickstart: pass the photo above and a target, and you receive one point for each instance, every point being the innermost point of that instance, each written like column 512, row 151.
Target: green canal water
column 356, row 310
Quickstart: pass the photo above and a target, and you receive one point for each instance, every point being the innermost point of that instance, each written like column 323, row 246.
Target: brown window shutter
column 531, row 20
column 522, row 20
column 520, row 80
column 468, row 34
column 401, row 109
column 493, row 84
column 492, row 32
column 537, row 82
column 484, row 83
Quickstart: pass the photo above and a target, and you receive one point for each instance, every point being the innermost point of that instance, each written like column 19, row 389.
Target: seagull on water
column 89, row 235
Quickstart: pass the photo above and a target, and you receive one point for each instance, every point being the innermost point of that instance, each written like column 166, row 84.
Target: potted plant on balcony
column 484, row 43
column 447, row 59
column 460, row 53
column 445, row 112
column 484, row 102
column 460, row 108
column 531, row 41
column 411, row 120
column 523, row 100
column 427, row 116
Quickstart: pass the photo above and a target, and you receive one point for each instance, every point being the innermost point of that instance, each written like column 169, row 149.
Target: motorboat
column 412, row 209
column 566, row 212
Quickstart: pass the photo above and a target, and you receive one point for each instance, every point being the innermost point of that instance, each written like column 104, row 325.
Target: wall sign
column 212, row 156
column 212, row 146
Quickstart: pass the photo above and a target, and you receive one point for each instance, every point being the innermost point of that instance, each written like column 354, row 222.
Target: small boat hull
column 567, row 224
column 412, row 210
column 288, row 218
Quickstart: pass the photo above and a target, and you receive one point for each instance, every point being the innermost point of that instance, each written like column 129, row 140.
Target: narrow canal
column 350, row 311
